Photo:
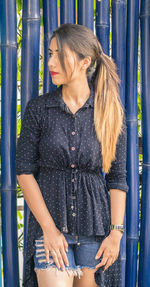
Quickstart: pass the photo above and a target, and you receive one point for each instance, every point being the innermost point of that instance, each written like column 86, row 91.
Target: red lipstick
column 53, row 73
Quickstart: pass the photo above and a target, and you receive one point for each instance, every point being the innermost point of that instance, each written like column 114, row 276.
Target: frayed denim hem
column 75, row 272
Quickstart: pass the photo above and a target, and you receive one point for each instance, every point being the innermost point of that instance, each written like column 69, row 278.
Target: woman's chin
column 56, row 82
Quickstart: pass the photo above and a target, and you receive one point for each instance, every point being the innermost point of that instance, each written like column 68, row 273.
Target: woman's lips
column 53, row 73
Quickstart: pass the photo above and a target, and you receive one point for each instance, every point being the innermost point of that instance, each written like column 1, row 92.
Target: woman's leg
column 52, row 277
column 86, row 280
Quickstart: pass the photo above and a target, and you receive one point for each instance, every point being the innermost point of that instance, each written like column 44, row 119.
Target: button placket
column 73, row 143
column 74, row 189
column 73, row 207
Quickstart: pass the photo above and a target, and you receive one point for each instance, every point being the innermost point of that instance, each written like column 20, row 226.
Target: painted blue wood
column 144, row 262
column 132, row 213
column 67, row 11
column 8, row 141
column 0, row 48
column 103, row 24
column 86, row 13
column 0, row 264
column 119, row 55
column 50, row 20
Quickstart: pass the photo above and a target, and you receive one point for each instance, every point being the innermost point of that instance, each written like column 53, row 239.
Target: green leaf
column 41, row 23
column 19, row 4
column 19, row 226
column 139, row 73
column 19, row 215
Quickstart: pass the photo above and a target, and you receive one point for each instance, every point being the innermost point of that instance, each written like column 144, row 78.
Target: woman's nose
column 51, row 62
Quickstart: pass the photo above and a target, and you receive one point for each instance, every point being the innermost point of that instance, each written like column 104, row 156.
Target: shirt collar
column 55, row 99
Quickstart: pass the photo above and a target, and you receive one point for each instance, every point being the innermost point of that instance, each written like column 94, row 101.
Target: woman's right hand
column 55, row 244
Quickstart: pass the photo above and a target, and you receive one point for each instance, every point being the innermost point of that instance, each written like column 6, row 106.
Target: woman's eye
column 50, row 54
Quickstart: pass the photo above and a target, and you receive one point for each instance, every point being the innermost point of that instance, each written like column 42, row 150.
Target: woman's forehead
column 53, row 45
column 54, row 48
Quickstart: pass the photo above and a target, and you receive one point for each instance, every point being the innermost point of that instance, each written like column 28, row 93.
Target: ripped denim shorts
column 81, row 253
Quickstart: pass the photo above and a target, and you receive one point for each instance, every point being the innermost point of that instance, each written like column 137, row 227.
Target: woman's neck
column 76, row 92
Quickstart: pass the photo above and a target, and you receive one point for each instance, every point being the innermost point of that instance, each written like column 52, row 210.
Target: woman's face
column 73, row 65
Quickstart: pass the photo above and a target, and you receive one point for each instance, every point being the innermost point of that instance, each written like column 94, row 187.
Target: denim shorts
column 81, row 253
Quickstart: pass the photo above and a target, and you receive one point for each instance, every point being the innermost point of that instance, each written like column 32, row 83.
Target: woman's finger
column 64, row 256
column 47, row 255
column 109, row 263
column 65, row 244
column 114, row 259
column 60, row 260
column 54, row 255
column 100, row 252
column 103, row 262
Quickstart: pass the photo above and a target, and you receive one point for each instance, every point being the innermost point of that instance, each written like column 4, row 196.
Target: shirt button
column 73, row 214
column 78, row 243
column 73, row 133
column 64, row 229
column 73, row 148
column 73, row 165
column 72, row 207
column 73, row 180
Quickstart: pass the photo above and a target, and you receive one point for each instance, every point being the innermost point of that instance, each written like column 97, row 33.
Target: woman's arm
column 35, row 201
column 54, row 240
column 111, row 244
column 118, row 203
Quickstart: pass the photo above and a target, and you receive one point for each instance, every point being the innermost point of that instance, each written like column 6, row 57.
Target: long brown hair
column 108, row 110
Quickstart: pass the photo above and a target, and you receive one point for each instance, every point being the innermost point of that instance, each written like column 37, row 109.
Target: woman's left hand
column 109, row 249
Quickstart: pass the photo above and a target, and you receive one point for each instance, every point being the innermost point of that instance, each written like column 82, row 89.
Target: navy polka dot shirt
column 63, row 153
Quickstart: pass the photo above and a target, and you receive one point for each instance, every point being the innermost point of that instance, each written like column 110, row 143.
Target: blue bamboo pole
column 86, row 13
column 29, row 66
column 8, row 141
column 50, row 20
column 144, row 262
column 103, row 24
column 1, row 5
column 67, row 11
column 0, row 264
column 132, row 214
column 119, row 55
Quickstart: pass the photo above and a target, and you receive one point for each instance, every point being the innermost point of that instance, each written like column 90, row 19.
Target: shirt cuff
column 117, row 185
column 26, row 168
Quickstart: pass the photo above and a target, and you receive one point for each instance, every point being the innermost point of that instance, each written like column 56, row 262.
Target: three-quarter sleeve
column 116, row 177
column 27, row 153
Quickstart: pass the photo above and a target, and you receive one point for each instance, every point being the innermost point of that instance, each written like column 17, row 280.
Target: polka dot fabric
column 61, row 150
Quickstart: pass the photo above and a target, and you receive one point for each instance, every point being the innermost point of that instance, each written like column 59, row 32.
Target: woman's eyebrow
column 52, row 50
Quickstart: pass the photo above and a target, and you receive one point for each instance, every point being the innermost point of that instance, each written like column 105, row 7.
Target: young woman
column 67, row 137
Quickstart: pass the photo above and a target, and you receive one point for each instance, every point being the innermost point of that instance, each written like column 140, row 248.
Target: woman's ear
column 86, row 62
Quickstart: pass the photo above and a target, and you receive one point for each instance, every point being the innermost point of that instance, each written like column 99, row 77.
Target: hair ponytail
column 108, row 111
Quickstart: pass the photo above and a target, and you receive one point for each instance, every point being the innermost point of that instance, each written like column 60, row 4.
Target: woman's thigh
column 86, row 280
column 48, row 278
column 53, row 277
